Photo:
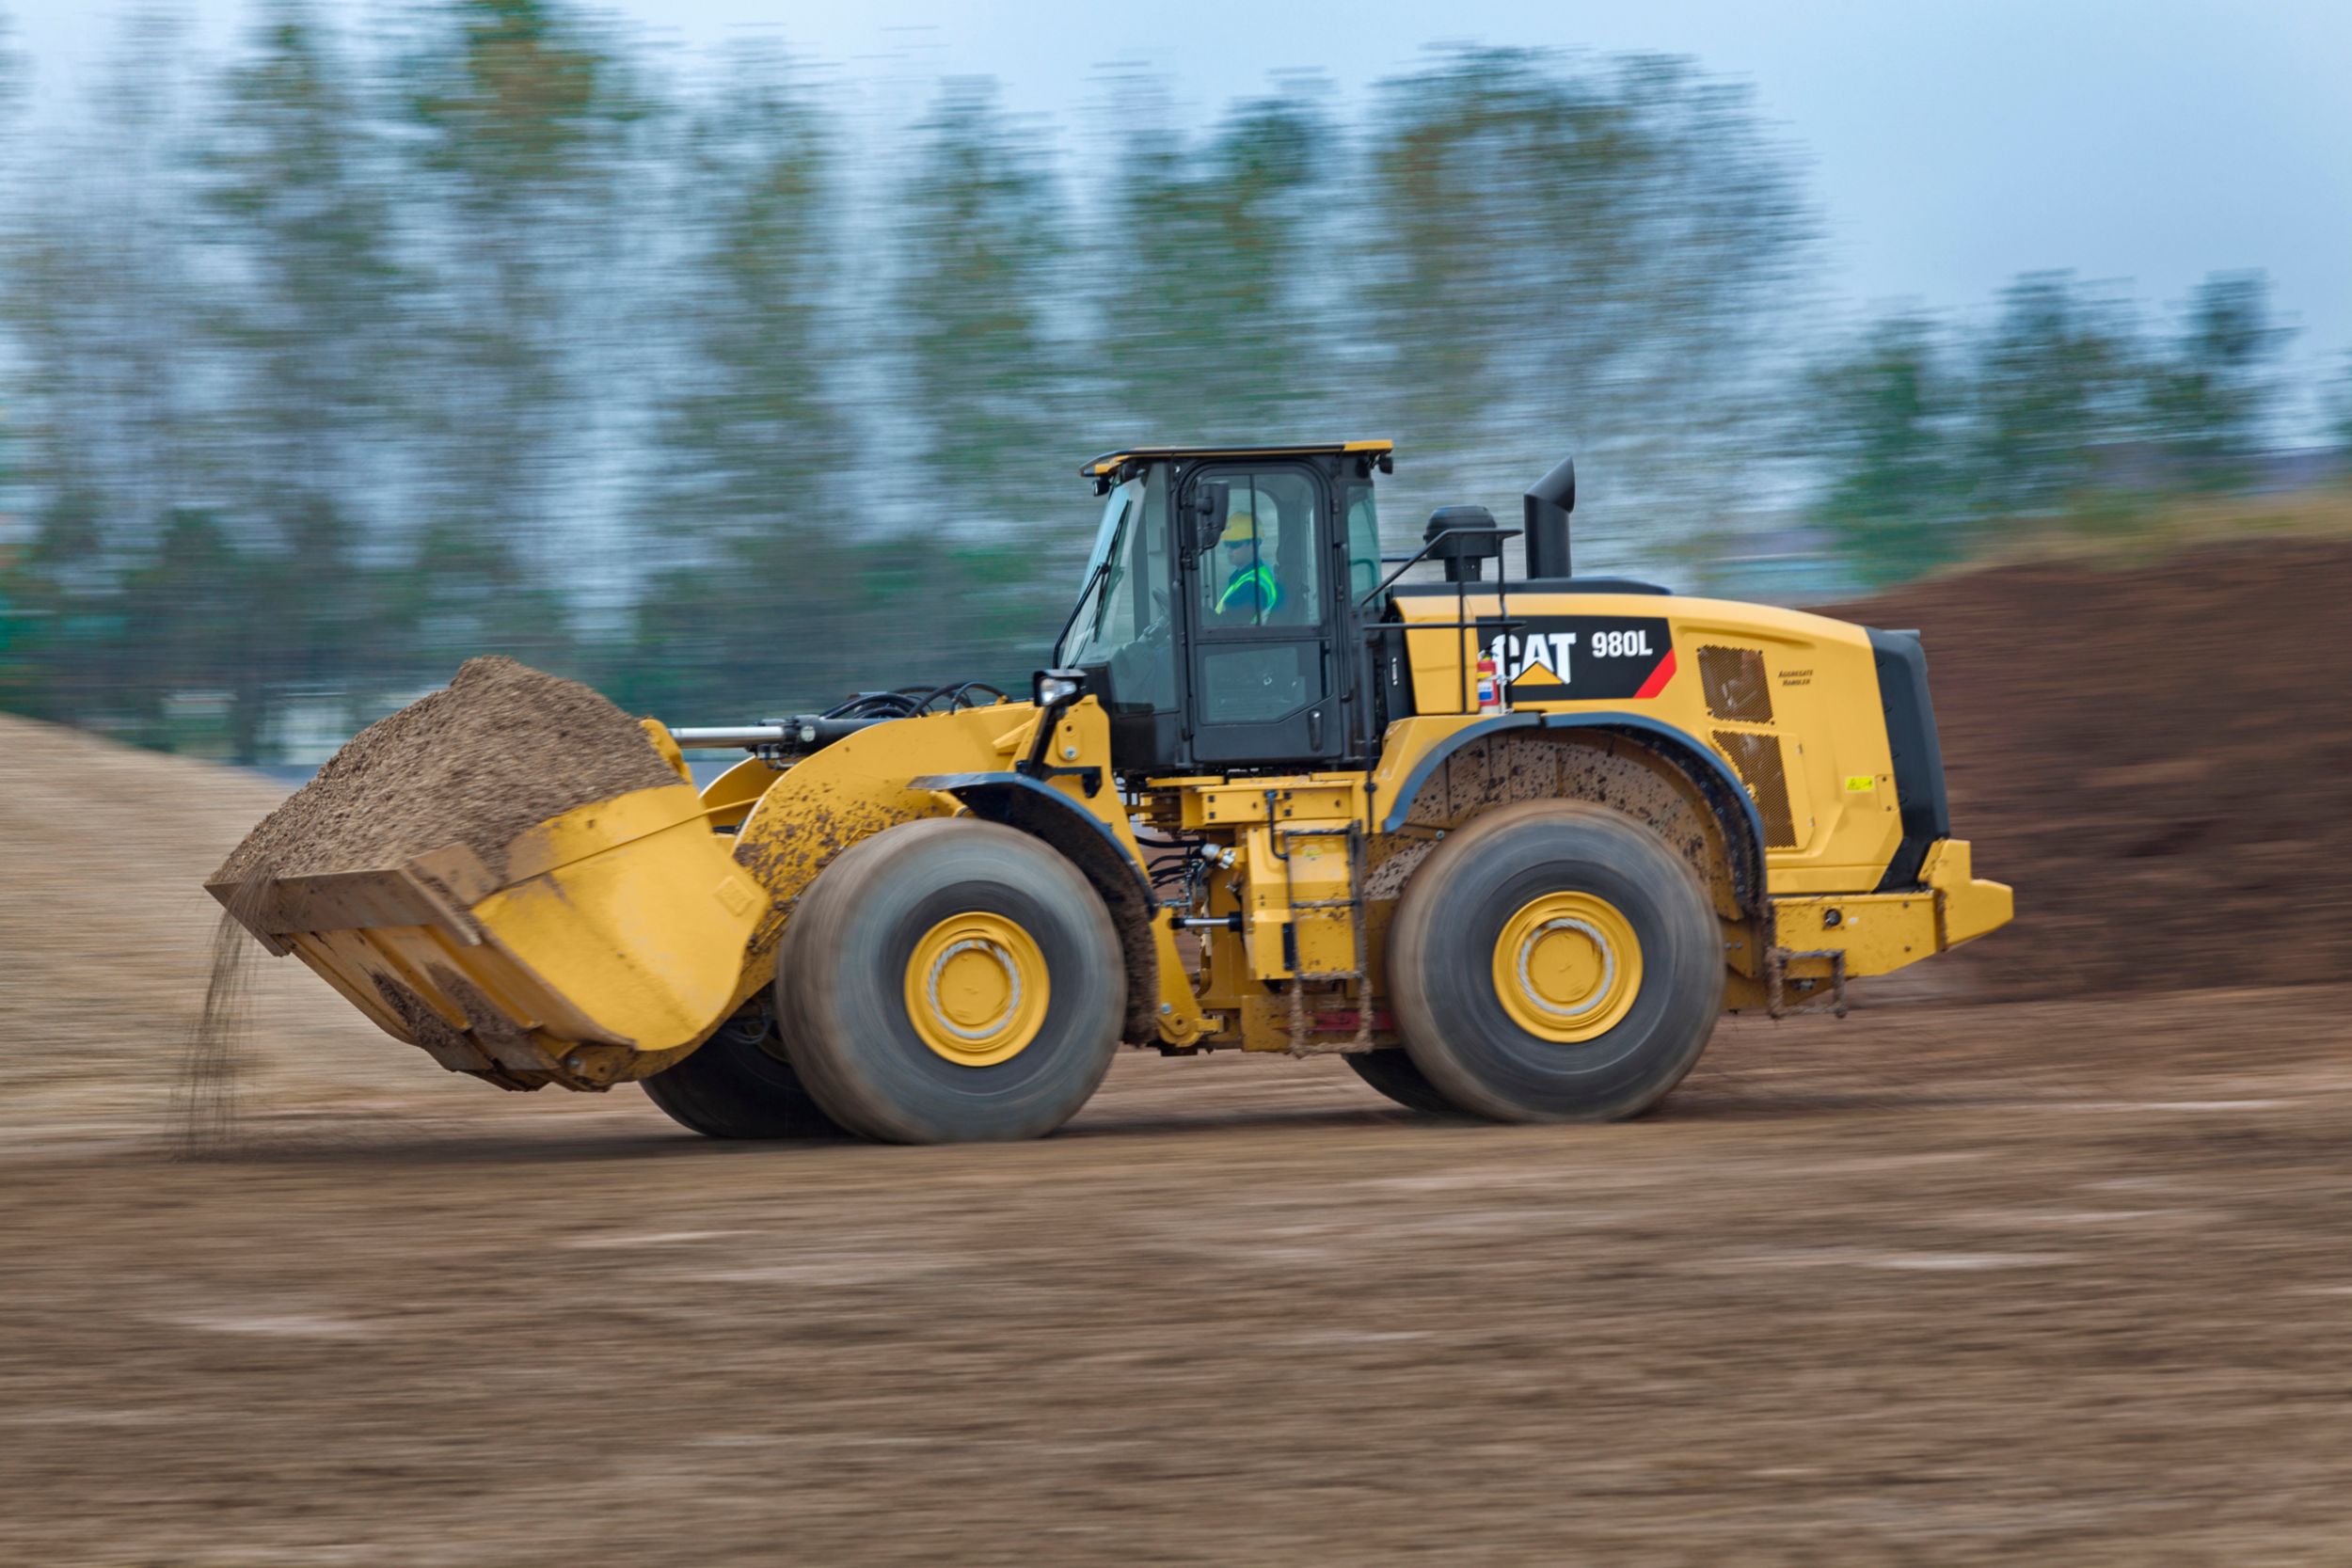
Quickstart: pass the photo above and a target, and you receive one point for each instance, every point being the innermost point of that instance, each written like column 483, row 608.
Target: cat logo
column 1559, row 658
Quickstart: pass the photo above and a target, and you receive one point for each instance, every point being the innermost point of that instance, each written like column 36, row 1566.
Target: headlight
column 1053, row 687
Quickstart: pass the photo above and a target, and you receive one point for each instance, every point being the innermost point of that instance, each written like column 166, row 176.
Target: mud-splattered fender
column 851, row 790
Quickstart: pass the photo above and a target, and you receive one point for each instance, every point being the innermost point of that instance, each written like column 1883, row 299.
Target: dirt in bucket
column 500, row 748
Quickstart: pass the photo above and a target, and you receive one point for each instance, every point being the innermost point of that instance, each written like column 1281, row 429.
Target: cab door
column 1258, row 581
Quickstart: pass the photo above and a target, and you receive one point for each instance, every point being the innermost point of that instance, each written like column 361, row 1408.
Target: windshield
column 1123, row 616
column 1086, row 621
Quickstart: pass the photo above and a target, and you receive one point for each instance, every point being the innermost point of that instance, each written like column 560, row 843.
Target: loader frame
column 1252, row 799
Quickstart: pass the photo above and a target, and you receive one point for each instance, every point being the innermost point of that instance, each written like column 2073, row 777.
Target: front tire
column 735, row 1086
column 948, row 981
column 1554, row 961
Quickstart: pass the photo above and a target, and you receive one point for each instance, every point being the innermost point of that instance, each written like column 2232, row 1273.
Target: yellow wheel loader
column 1508, row 846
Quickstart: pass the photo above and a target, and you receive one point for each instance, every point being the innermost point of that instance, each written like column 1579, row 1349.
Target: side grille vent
column 1733, row 679
column 1758, row 758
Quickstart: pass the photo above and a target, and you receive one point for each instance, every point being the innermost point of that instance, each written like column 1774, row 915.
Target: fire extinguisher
column 1490, row 688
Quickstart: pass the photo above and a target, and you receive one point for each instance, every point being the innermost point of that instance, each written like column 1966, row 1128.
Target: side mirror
column 1211, row 505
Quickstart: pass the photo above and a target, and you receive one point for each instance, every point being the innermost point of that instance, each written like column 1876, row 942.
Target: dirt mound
column 109, row 938
column 2158, row 758
column 106, row 930
column 500, row 748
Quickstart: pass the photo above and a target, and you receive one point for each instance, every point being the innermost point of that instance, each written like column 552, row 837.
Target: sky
column 1952, row 143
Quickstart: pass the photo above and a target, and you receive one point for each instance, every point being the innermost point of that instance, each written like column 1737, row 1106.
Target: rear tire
column 1554, row 961
column 736, row 1084
column 951, row 980
column 1393, row 1073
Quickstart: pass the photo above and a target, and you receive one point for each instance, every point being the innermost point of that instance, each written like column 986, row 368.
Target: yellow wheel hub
column 976, row 988
column 1567, row 967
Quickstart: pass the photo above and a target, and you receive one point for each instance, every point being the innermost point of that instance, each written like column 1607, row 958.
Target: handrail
column 1483, row 623
column 1387, row 583
column 1503, row 619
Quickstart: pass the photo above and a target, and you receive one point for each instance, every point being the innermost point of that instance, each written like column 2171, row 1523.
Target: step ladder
column 1352, row 909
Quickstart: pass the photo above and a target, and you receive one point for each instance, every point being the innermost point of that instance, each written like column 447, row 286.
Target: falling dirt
column 204, row 1108
column 500, row 748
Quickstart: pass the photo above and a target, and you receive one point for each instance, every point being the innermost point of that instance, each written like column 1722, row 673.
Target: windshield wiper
column 1084, row 589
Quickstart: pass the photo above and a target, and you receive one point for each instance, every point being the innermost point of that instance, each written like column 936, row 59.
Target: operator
column 1251, row 592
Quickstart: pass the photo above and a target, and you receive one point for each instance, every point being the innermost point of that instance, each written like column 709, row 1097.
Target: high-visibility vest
column 1254, row 578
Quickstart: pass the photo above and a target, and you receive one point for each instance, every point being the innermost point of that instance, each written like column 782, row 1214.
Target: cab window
column 1263, row 570
column 1363, row 540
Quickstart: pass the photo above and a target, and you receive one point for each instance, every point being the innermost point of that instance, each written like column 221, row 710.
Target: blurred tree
column 1887, row 419
column 71, row 655
column 101, row 273
column 307, row 317
column 1210, row 275
column 982, row 292
column 368, row 356
column 17, row 628
column 192, row 607
column 2336, row 406
column 12, row 69
column 774, row 581
column 1579, row 259
column 108, row 377
column 2057, row 379
column 748, row 515
column 519, row 116
column 2211, row 397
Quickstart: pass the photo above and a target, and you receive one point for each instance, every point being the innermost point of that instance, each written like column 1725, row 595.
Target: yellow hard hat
column 1240, row 529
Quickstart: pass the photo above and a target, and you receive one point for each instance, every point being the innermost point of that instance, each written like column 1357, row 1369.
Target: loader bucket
column 609, row 947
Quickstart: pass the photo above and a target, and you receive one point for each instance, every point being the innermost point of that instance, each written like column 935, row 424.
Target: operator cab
column 1217, row 621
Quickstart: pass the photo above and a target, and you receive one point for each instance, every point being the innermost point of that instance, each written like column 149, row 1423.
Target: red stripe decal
column 1658, row 677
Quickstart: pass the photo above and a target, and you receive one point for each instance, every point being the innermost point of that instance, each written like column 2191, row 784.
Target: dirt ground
column 2052, row 1282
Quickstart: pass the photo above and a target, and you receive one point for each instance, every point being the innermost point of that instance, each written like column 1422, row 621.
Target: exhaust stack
column 1547, row 506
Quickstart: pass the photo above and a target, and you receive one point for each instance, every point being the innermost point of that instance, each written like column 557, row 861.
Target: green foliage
column 2063, row 411
column 2056, row 379
column 1570, row 257
column 766, row 585
column 760, row 428
column 735, row 527
column 2337, row 407
column 2210, row 399
column 1888, row 419
column 521, row 102
column 982, row 263
column 514, row 122
column 1209, row 284
column 309, row 347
